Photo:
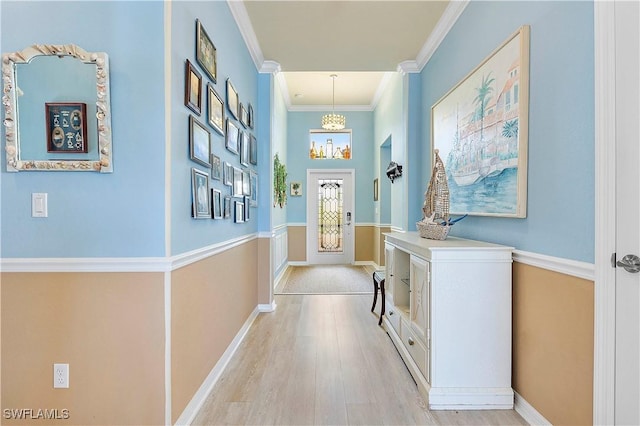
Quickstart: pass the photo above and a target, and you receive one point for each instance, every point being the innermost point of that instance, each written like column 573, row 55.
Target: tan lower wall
column 378, row 244
column 264, row 270
column 553, row 343
column 364, row 243
column 297, row 243
column 109, row 328
column 211, row 301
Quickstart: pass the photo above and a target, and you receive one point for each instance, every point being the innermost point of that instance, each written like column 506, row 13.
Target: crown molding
column 329, row 108
column 381, row 89
column 270, row 67
column 407, row 67
column 442, row 28
column 241, row 17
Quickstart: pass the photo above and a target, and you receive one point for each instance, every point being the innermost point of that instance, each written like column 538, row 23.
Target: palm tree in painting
column 482, row 99
column 510, row 129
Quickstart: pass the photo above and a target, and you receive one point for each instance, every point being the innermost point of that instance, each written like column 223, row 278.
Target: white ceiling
column 359, row 40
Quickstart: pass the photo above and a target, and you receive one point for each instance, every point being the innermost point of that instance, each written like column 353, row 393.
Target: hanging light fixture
column 333, row 121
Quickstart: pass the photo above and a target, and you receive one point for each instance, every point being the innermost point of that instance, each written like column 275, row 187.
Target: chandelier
column 333, row 121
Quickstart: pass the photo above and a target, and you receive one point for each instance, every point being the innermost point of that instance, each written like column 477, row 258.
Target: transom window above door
column 325, row 145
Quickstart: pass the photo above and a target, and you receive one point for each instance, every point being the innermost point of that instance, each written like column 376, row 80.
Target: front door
column 330, row 217
column 627, row 286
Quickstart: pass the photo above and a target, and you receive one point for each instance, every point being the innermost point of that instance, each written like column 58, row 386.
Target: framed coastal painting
column 480, row 129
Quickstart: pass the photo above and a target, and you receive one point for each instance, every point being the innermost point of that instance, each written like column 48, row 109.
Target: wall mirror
column 57, row 113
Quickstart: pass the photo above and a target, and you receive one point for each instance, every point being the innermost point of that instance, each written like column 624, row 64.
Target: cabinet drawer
column 392, row 315
column 416, row 348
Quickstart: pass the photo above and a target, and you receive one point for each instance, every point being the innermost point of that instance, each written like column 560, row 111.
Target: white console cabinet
column 448, row 311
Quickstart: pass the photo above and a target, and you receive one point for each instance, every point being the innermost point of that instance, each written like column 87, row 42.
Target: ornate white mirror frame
column 103, row 109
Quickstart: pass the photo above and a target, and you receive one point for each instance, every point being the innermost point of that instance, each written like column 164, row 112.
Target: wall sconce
column 394, row 170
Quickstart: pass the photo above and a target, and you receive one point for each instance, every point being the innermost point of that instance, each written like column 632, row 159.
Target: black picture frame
column 192, row 88
column 66, row 127
column 216, row 204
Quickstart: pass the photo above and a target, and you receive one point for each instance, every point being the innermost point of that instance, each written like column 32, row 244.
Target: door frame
column 605, row 214
column 349, row 246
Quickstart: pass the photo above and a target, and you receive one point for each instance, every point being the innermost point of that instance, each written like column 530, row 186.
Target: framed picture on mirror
column 66, row 127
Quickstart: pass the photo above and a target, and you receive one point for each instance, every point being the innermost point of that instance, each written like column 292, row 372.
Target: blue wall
column 390, row 128
column 363, row 146
column 90, row 214
column 560, row 211
column 279, row 146
column 234, row 62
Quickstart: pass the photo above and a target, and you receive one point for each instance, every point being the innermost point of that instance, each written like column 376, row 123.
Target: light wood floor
column 322, row 359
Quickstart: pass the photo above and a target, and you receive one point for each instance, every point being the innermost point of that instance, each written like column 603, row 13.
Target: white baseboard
column 282, row 277
column 526, row 410
column 267, row 307
column 194, row 406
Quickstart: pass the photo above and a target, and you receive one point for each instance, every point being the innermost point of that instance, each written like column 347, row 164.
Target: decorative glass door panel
column 330, row 215
column 330, row 229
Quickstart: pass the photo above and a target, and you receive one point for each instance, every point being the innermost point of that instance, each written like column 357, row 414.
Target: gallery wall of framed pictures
column 222, row 144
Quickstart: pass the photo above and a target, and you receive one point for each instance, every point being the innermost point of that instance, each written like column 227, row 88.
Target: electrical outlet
column 61, row 375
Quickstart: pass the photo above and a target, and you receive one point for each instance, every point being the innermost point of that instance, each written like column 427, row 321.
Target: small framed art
column 228, row 174
column 206, row 52
column 216, row 167
column 247, row 202
column 233, row 100
column 244, row 148
column 254, row 188
column 201, row 207
column 216, row 203
column 239, row 211
column 296, row 189
column 215, row 109
column 253, row 150
column 243, row 115
column 231, row 137
column 199, row 142
column 192, row 88
column 226, row 212
column 66, row 127
column 375, row 189
column 246, row 183
column 250, row 116
column 237, row 182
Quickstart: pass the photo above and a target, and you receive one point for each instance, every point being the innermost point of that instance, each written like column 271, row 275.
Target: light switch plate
column 39, row 206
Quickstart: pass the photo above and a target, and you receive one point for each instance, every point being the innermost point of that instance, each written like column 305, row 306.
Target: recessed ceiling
column 358, row 40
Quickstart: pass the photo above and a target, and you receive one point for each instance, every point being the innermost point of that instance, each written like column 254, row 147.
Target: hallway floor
column 323, row 360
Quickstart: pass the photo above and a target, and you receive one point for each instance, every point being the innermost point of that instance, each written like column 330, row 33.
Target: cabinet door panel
column 420, row 298
column 388, row 261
